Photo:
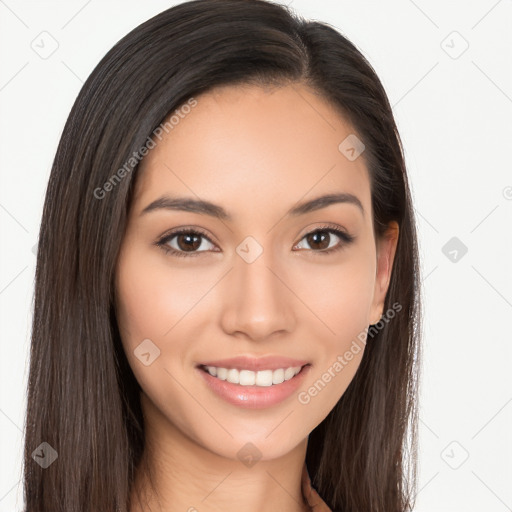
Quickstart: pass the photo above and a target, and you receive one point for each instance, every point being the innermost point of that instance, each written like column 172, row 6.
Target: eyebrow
column 203, row 207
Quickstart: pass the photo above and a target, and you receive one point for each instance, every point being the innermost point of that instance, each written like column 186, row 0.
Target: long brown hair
column 83, row 399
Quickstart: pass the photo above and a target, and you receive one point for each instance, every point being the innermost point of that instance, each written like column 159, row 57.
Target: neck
column 178, row 474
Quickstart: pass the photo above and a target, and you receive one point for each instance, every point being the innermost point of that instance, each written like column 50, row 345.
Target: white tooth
column 250, row 378
column 278, row 376
column 289, row 373
column 264, row 378
column 222, row 373
column 247, row 378
column 233, row 376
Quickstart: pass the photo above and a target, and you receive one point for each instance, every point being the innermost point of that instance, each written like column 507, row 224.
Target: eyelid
column 337, row 230
column 169, row 235
column 345, row 237
column 312, row 228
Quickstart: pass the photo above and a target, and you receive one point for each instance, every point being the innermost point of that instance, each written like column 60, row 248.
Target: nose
column 258, row 300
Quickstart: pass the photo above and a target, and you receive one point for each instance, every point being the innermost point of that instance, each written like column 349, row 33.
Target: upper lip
column 255, row 363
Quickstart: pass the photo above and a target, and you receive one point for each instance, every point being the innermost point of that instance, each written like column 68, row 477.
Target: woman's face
column 256, row 282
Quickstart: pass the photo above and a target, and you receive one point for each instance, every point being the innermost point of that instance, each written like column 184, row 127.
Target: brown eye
column 188, row 241
column 184, row 242
column 320, row 240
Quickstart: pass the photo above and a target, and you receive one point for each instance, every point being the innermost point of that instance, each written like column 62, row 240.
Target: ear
column 386, row 249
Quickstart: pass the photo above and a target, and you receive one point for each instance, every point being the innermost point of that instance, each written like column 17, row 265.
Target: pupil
column 188, row 237
column 315, row 236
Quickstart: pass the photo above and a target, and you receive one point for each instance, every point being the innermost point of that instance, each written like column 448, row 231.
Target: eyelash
column 163, row 241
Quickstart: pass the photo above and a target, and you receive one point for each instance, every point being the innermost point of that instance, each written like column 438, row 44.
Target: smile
column 253, row 389
column 263, row 378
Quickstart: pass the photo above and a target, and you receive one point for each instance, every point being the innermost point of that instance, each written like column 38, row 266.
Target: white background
column 454, row 113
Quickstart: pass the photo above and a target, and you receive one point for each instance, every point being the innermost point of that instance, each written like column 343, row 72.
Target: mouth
column 253, row 389
column 260, row 378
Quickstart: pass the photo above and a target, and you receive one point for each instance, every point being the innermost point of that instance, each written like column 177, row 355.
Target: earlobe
column 386, row 250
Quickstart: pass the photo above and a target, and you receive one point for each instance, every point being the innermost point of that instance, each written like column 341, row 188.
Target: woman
column 227, row 289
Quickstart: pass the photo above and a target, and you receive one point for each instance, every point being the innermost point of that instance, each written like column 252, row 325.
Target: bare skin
column 257, row 153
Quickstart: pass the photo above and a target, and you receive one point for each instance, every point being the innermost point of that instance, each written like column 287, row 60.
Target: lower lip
column 254, row 397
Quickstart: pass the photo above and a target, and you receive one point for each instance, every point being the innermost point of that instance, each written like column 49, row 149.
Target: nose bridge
column 259, row 303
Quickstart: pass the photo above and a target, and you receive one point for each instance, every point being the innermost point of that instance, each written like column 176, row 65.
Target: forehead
column 253, row 148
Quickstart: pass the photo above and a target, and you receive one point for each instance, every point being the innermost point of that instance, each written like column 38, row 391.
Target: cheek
column 152, row 298
column 158, row 303
column 340, row 295
column 150, row 304
column 144, row 312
